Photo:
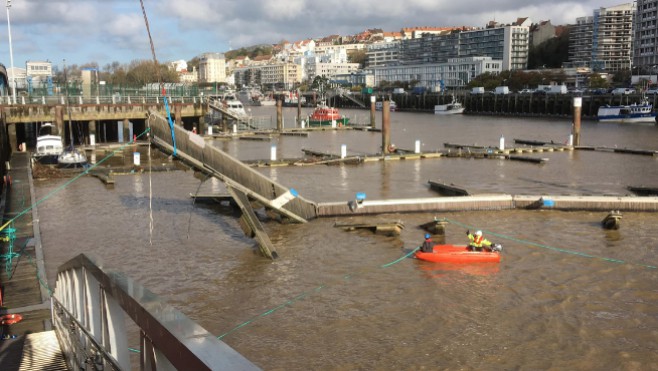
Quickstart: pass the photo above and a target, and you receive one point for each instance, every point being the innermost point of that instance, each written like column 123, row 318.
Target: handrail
column 98, row 301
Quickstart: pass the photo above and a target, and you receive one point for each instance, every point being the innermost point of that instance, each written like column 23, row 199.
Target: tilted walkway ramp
column 192, row 149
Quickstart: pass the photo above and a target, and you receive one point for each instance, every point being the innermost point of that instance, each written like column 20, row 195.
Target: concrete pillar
column 372, row 111
column 225, row 128
column 11, row 131
column 177, row 114
column 279, row 115
column 92, row 130
column 126, row 131
column 386, row 127
column 575, row 130
column 59, row 122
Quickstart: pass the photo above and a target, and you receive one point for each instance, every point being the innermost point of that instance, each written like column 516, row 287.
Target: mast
column 68, row 107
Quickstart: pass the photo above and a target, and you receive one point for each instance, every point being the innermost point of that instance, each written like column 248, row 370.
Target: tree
column 552, row 53
column 357, row 56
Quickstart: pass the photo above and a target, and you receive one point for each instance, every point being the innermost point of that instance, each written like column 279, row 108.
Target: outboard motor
column 497, row 247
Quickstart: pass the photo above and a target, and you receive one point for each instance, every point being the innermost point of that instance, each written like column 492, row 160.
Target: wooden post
column 59, row 122
column 279, row 115
column 575, row 131
column 386, row 127
column 372, row 111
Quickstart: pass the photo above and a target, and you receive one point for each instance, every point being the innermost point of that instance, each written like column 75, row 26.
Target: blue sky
column 105, row 31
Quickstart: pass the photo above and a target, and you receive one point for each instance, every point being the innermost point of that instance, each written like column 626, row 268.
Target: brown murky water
column 555, row 301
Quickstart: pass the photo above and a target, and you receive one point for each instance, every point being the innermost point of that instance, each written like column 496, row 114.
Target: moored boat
column 324, row 115
column 631, row 113
column 458, row 254
column 450, row 108
column 49, row 145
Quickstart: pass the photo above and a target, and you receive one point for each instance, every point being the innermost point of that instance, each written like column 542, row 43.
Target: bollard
column 273, row 153
column 209, row 129
column 570, row 140
column 303, row 124
column 333, row 124
column 501, row 144
column 136, row 158
column 235, row 129
column 92, row 139
column 343, row 151
column 417, row 149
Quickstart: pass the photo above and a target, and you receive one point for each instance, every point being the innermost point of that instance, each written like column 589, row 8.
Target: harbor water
column 566, row 295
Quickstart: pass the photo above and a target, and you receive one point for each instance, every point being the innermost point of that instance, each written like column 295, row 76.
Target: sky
column 106, row 31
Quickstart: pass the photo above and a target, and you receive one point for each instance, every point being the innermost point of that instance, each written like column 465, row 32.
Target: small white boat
column 49, row 145
column 392, row 106
column 632, row 113
column 72, row 158
column 450, row 108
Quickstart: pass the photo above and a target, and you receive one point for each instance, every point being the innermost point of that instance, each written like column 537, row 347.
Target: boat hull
column 458, row 254
column 339, row 122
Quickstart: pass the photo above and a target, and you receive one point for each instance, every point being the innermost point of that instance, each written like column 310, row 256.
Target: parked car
column 525, row 91
column 623, row 91
column 597, row 91
column 652, row 91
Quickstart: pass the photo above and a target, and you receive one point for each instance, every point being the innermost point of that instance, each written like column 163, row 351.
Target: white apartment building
column 316, row 67
column 212, row 68
column 456, row 73
column 507, row 43
column 610, row 33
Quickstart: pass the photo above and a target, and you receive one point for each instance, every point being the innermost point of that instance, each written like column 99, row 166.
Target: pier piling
column 372, row 111
column 386, row 127
column 577, row 108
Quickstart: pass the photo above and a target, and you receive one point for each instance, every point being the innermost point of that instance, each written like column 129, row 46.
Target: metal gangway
column 94, row 311
column 248, row 188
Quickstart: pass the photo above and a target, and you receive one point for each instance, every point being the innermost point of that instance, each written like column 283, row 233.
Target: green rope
column 10, row 232
column 58, row 189
column 303, row 295
column 558, row 249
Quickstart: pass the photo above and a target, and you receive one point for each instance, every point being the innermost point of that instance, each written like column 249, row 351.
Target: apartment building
column 508, row 43
column 212, row 68
column 645, row 43
column 455, row 73
column 604, row 41
column 383, row 53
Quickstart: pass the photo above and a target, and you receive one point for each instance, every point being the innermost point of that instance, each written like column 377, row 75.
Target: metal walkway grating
column 41, row 352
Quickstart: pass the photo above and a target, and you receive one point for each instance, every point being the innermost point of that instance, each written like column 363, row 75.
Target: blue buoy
column 360, row 196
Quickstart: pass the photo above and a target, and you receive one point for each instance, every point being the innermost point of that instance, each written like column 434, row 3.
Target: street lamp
column 11, row 56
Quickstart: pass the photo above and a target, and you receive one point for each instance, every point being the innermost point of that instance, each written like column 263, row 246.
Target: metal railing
column 89, row 309
column 106, row 99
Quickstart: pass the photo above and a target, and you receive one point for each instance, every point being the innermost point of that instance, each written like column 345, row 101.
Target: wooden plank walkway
column 23, row 292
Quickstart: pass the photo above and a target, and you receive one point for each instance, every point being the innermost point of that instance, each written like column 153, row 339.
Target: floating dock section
column 490, row 202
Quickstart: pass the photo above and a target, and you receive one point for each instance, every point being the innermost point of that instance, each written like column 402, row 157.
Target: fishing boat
column 380, row 105
column 459, row 254
column 631, row 113
column 453, row 107
column 324, row 115
column 49, row 145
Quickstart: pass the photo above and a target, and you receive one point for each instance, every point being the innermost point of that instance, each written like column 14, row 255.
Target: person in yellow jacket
column 477, row 242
